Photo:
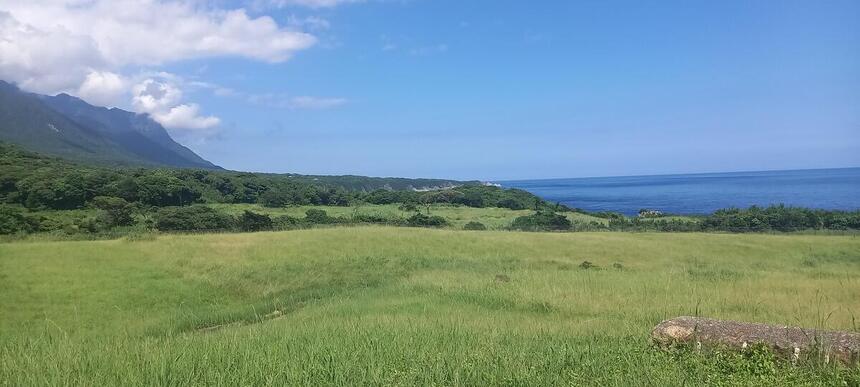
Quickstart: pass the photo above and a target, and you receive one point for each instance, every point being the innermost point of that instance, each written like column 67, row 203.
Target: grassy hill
column 397, row 306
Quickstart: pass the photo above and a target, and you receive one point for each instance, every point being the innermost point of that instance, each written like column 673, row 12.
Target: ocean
column 702, row 193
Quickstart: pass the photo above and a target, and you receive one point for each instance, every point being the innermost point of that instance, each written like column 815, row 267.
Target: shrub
column 286, row 222
column 13, row 220
column 115, row 211
column 376, row 219
column 421, row 220
column 192, row 218
column 316, row 216
column 251, row 221
column 541, row 221
column 474, row 226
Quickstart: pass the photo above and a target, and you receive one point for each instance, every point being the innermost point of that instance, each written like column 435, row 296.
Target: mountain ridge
column 68, row 127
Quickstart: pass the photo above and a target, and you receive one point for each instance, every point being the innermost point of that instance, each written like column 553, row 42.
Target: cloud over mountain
column 87, row 47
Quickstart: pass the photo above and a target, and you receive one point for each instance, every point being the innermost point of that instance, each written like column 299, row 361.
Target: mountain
column 68, row 127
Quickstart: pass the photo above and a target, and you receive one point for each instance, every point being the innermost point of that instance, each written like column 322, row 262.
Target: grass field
column 401, row 306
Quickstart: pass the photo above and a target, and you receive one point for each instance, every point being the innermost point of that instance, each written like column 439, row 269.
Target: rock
column 790, row 342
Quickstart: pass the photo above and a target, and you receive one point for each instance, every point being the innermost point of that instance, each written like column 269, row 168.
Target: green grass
column 400, row 306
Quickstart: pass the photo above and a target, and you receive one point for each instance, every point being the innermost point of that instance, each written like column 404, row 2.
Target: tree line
column 31, row 183
column 776, row 218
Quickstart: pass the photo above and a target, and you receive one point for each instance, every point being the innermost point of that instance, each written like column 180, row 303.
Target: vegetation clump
column 422, row 220
column 14, row 220
column 192, row 218
column 542, row 221
column 251, row 221
column 315, row 216
column 114, row 211
column 585, row 265
column 474, row 226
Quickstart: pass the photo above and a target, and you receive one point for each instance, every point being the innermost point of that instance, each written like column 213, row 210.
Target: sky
column 488, row 90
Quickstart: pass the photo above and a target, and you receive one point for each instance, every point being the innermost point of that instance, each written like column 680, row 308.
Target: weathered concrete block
column 792, row 342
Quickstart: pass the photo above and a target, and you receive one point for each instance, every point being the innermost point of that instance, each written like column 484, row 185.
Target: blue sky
column 498, row 90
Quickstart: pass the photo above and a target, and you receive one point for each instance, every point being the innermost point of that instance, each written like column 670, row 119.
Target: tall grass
column 396, row 306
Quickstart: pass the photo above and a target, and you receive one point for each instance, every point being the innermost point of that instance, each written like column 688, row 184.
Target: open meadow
column 405, row 306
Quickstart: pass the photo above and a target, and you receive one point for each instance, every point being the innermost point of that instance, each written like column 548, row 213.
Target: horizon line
column 676, row 174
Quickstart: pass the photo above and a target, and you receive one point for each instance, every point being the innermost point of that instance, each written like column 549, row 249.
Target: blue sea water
column 703, row 193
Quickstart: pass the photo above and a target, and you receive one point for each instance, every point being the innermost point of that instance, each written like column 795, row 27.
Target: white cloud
column 152, row 96
column 103, row 88
column 185, row 117
column 161, row 99
column 313, row 23
column 45, row 60
column 85, row 47
column 307, row 102
column 151, row 32
column 305, row 3
column 273, row 100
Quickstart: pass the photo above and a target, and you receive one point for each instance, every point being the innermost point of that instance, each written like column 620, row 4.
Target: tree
column 115, row 211
column 318, row 217
column 250, row 221
column 161, row 189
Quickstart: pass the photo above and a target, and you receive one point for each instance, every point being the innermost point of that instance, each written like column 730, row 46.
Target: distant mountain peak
column 69, row 127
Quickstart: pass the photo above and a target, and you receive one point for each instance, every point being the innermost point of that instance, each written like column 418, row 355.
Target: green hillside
column 68, row 127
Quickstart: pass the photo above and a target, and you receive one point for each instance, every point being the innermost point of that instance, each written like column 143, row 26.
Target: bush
column 376, row 219
column 286, row 222
column 13, row 220
column 115, row 211
column 421, row 220
column 541, row 221
column 192, row 218
column 474, row 226
column 251, row 221
column 315, row 216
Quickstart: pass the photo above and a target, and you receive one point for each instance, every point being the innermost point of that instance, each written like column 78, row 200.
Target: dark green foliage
column 114, row 211
column 192, row 218
column 162, row 188
column 780, row 218
column 542, row 221
column 421, row 220
column 251, row 221
column 13, row 220
column 475, row 226
column 286, row 222
column 754, row 219
column 377, row 219
column 646, row 224
column 315, row 216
